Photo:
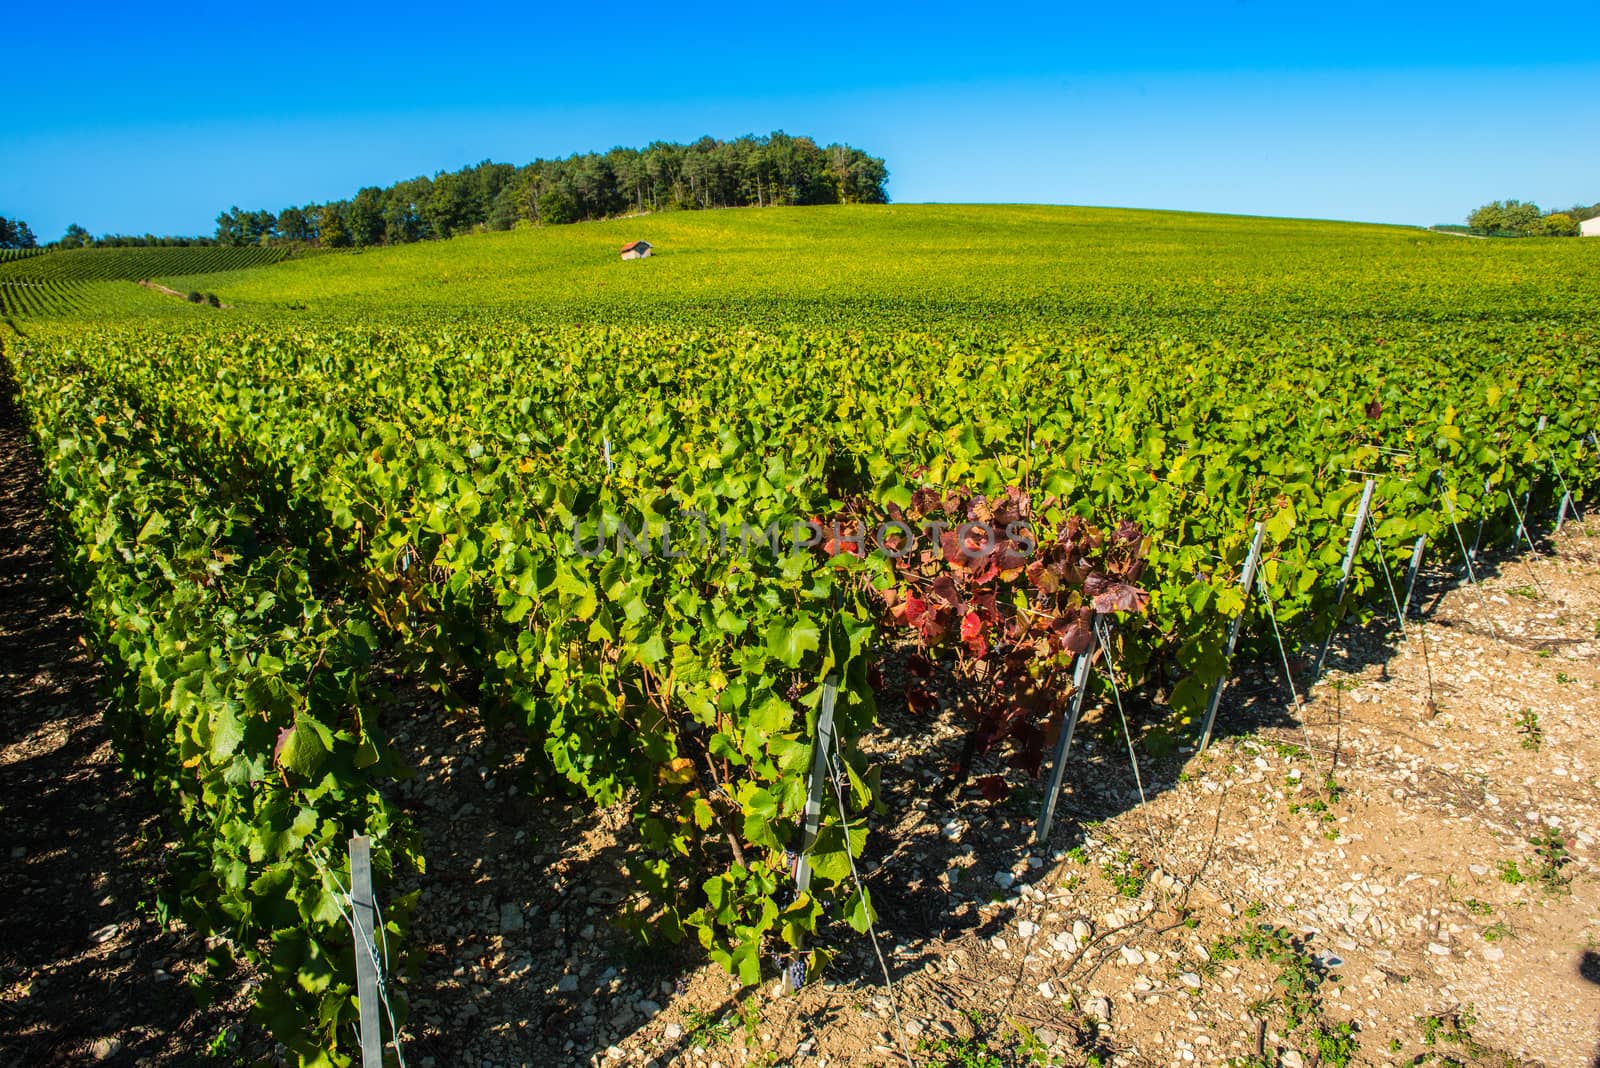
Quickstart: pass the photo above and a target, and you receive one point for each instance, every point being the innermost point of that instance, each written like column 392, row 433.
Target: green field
column 74, row 282
column 1035, row 268
column 394, row 457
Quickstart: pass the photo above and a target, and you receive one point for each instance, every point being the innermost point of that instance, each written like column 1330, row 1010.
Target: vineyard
column 40, row 284
column 665, row 524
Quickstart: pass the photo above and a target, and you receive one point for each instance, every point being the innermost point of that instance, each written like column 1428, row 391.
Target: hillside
column 953, row 267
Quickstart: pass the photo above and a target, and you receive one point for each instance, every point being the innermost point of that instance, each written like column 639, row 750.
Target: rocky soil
column 1403, row 867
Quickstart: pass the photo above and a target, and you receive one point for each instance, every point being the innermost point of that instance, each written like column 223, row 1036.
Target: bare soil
column 87, row 974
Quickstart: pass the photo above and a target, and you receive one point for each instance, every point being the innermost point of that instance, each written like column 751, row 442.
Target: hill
column 38, row 283
column 945, row 267
column 938, row 267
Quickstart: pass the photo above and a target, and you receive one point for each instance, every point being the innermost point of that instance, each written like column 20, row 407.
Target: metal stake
column 1247, row 581
column 813, row 817
column 1058, row 761
column 1411, row 573
column 363, row 913
column 1356, row 528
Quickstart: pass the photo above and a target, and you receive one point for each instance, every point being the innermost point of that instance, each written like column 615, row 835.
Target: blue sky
column 124, row 120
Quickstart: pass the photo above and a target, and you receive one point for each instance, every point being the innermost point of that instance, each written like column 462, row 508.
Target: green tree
column 1504, row 217
column 331, row 228
column 557, row 206
column 1558, row 224
column 364, row 219
column 293, row 224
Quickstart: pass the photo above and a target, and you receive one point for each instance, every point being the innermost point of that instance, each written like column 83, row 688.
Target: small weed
column 1528, row 727
column 1543, row 654
column 224, row 1045
column 1126, row 872
column 749, row 1014
column 1565, row 679
column 986, row 1049
column 1511, row 874
column 1497, row 932
column 1449, row 1029
column 1295, row 996
column 1077, row 855
column 1321, row 807
column 1336, row 1045
column 701, row 1028
column 1526, row 592
column 1478, row 908
column 1551, row 859
column 1030, row 1047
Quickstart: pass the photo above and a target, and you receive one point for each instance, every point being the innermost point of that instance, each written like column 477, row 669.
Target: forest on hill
column 744, row 172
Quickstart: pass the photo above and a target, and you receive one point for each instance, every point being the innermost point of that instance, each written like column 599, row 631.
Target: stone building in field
column 1590, row 227
column 637, row 250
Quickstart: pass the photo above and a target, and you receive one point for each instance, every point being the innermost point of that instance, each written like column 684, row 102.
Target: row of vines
column 650, row 548
column 36, row 284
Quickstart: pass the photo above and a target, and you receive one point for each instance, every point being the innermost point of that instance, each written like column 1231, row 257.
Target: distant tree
column 293, row 225
column 229, row 229
column 364, row 218
column 1514, row 218
column 503, row 212
column 857, row 177
column 447, row 208
column 75, row 237
column 25, row 237
column 260, row 226
column 331, row 228
column 402, row 213
column 1556, row 224
column 557, row 206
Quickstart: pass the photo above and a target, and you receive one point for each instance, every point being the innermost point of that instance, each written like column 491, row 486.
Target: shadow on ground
column 83, row 972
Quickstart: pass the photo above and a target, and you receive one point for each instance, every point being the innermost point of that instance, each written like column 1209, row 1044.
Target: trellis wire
column 1362, row 511
column 1246, row 582
column 872, row 931
column 1288, row 677
column 1133, row 757
column 1472, row 575
column 1399, row 613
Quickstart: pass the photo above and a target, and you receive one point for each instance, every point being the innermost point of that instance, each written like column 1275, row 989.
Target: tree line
column 77, row 237
column 747, row 171
column 1513, row 218
column 14, row 233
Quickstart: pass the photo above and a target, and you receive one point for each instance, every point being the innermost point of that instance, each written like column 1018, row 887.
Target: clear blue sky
column 132, row 118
